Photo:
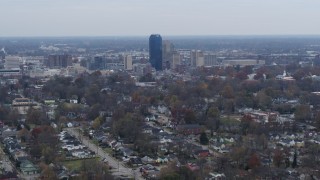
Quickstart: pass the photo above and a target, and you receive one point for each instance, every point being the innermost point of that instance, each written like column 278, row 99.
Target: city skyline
column 142, row 17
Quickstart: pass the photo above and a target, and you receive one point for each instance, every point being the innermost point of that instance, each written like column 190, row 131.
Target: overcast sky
column 167, row 17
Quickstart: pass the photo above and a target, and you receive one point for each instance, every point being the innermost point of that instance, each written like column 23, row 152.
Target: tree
column 228, row 106
column 300, row 73
column 200, row 90
column 147, row 78
column 302, row 113
column 48, row 154
column 227, row 92
column 24, row 134
column 278, row 157
column 92, row 94
column 35, row 151
column 238, row 154
column 317, row 120
column 254, row 161
column 47, row 137
column 246, row 121
column 35, row 116
column 80, row 82
column 262, row 141
column 44, row 142
column 204, row 139
column 213, row 112
column 94, row 169
column 97, row 122
column 170, row 176
column 244, row 99
column 187, row 174
column 47, row 172
column 169, row 172
column 313, row 157
column 222, row 163
column 263, row 101
column 242, row 75
column 13, row 117
column 190, row 117
column 94, row 111
column 127, row 126
column 3, row 113
column 144, row 144
column 3, row 94
column 173, row 101
column 213, row 118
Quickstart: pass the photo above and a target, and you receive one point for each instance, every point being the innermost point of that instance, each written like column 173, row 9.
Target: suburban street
column 5, row 163
column 118, row 167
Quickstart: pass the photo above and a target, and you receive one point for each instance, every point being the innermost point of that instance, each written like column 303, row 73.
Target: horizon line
column 212, row 35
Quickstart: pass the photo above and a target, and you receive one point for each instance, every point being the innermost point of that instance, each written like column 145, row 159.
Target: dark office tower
column 97, row 63
column 155, row 51
column 58, row 61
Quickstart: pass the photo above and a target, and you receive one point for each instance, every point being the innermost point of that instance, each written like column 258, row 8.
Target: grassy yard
column 108, row 150
column 73, row 164
column 231, row 120
column 95, row 142
column 76, row 164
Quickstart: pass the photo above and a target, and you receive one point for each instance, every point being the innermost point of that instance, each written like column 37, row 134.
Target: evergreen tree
column 204, row 139
column 294, row 162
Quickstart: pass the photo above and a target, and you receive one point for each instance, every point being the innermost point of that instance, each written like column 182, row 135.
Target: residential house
column 263, row 117
column 216, row 176
column 192, row 166
column 22, row 105
column 135, row 161
column 147, row 169
column 19, row 155
column 162, row 109
column 8, row 132
column 202, row 153
column 189, row 129
column 162, row 160
column 28, row 168
column 147, row 160
column 126, row 151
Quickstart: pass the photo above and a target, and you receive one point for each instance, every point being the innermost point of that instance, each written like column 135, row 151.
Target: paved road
column 119, row 168
column 5, row 162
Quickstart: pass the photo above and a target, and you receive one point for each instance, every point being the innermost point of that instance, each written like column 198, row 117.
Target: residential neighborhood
column 236, row 119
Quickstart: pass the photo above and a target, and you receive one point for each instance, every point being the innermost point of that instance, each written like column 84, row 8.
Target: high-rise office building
column 2, row 54
column 155, row 51
column 316, row 60
column 176, row 60
column 127, row 61
column 167, row 54
column 168, row 47
column 12, row 62
column 197, row 58
column 97, row 63
column 58, row 61
column 210, row 59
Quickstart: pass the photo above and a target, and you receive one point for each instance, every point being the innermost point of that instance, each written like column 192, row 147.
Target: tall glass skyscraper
column 155, row 51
